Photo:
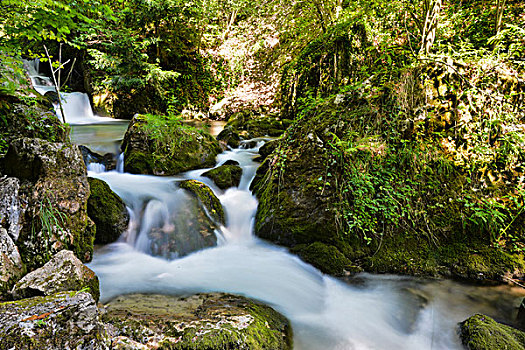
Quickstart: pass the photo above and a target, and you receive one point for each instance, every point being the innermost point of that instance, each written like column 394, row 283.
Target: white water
column 325, row 313
column 76, row 105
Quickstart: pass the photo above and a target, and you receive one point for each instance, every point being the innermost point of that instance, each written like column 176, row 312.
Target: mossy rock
column 225, row 176
column 481, row 332
column 325, row 257
column 229, row 137
column 107, row 210
column 206, row 197
column 248, row 124
column 161, row 145
column 203, row 321
column 66, row 320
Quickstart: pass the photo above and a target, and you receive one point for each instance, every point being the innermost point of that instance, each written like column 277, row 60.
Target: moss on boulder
column 165, row 146
column 202, row 321
column 66, row 320
column 325, row 257
column 53, row 191
column 107, row 210
column 206, row 197
column 225, row 176
column 481, row 332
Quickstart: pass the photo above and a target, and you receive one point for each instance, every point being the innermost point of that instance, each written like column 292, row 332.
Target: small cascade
column 120, row 163
column 76, row 105
column 96, row 167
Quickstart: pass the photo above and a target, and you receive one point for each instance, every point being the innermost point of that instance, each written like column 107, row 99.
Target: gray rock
column 62, row 273
column 63, row 321
column 203, row 321
column 11, row 210
column 54, row 191
column 11, row 267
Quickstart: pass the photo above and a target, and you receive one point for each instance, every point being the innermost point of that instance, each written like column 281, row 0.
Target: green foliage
column 49, row 227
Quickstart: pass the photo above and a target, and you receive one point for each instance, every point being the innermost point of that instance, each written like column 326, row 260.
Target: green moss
column 225, row 176
column 481, row 332
column 206, row 197
column 163, row 145
column 107, row 210
column 326, row 258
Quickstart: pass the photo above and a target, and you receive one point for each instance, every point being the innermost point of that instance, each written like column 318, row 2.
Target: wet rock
column 202, row 321
column 481, row 332
column 108, row 160
column 229, row 137
column 11, row 267
column 190, row 229
column 520, row 318
column 206, row 197
column 225, row 176
column 326, row 258
column 107, row 210
column 268, row 148
column 63, row 321
column 173, row 149
column 64, row 272
column 230, row 162
column 11, row 210
column 53, row 191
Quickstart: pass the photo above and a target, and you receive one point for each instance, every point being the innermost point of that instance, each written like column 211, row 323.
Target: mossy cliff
column 162, row 145
column 411, row 176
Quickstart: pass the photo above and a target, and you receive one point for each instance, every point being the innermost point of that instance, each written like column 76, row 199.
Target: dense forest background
column 404, row 141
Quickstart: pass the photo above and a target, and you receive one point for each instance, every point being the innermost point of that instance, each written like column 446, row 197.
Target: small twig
column 513, row 281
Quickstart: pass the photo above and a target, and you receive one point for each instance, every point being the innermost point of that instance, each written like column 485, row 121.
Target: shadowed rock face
column 62, row 273
column 67, row 320
column 52, row 195
column 11, row 210
column 107, row 210
column 202, row 321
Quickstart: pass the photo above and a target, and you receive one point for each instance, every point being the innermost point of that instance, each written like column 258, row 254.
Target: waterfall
column 76, row 105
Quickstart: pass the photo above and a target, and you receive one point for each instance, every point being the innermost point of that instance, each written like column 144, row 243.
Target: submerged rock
column 225, row 176
column 11, row 267
column 107, row 210
column 169, row 150
column 481, row 332
column 53, row 191
column 67, row 320
column 65, row 272
column 202, row 321
column 206, row 197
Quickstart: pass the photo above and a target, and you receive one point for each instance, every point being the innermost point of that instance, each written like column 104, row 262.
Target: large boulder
column 481, row 332
column 107, row 210
column 11, row 267
column 64, row 272
column 202, row 321
column 163, row 146
column 53, row 193
column 63, row 321
column 225, row 176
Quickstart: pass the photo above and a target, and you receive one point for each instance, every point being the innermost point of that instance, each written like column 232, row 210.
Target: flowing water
column 362, row 312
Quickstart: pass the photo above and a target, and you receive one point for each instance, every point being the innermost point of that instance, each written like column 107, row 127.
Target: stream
column 362, row 312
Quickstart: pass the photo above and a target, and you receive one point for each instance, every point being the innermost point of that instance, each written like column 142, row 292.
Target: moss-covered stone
column 326, row 258
column 107, row 210
column 54, row 190
column 481, row 332
column 165, row 146
column 67, row 320
column 206, row 197
column 202, row 321
column 225, row 176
